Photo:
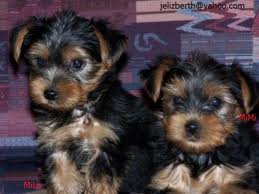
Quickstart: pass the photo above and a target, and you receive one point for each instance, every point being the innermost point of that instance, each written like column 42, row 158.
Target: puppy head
column 201, row 100
column 68, row 55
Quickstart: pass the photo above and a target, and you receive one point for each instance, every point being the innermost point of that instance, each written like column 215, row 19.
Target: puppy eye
column 40, row 61
column 215, row 102
column 178, row 100
column 77, row 64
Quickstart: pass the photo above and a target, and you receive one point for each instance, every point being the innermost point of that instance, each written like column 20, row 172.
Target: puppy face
column 68, row 55
column 201, row 100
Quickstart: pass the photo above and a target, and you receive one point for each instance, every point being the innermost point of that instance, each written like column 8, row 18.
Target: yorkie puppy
column 211, row 151
column 98, row 138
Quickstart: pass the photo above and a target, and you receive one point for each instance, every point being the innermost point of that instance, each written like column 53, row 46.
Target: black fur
column 141, row 139
column 139, row 131
column 240, row 148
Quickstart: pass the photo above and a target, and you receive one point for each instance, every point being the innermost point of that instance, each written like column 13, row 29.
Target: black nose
column 192, row 127
column 50, row 94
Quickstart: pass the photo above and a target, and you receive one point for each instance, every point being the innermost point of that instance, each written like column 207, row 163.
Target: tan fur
column 174, row 128
column 92, row 133
column 70, row 94
column 221, row 91
column 66, row 179
column 94, row 82
column 108, row 60
column 173, row 177
column 159, row 73
column 82, row 92
column 18, row 42
column 40, row 50
column 175, row 88
column 222, row 175
column 103, row 47
column 246, row 94
column 213, row 181
column 213, row 129
column 102, row 186
column 212, row 133
column 97, row 131
column 37, row 85
column 71, row 53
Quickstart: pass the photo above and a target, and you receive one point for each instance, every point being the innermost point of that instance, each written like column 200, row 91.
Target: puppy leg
column 234, row 189
column 101, row 187
column 64, row 178
column 100, row 178
column 173, row 178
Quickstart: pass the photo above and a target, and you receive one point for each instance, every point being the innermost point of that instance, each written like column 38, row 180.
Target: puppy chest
column 86, row 135
column 178, row 177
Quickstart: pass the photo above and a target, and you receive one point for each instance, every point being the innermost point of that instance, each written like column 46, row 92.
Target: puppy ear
column 17, row 38
column 249, row 91
column 154, row 76
column 112, row 42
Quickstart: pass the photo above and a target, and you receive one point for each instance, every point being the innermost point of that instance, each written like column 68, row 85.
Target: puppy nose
column 191, row 127
column 50, row 94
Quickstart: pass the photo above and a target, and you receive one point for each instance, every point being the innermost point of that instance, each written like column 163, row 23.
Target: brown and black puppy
column 211, row 151
column 97, row 137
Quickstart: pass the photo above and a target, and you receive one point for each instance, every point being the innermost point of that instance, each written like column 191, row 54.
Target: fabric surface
column 226, row 34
